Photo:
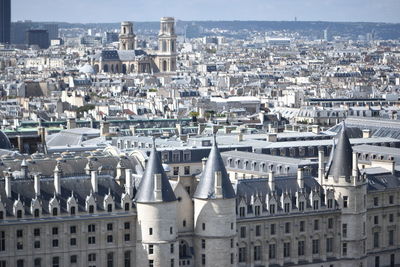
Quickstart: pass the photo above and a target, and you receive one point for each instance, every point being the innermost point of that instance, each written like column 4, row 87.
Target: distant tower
column 156, row 214
column 167, row 45
column 215, row 215
column 350, row 191
column 126, row 36
column 5, row 21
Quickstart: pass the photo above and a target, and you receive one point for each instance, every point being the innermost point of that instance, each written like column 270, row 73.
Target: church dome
column 87, row 69
column 4, row 142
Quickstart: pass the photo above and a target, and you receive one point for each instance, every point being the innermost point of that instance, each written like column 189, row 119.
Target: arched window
column 164, row 46
column 164, row 67
column 105, row 68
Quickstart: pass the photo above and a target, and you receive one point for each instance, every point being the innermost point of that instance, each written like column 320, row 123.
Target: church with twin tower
column 129, row 59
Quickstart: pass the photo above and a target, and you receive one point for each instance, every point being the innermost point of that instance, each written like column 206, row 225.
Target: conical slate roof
column 341, row 165
column 146, row 191
column 206, row 187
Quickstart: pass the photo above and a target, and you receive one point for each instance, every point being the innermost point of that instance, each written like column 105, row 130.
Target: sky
column 84, row 11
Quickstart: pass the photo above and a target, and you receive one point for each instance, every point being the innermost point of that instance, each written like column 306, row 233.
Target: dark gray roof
column 123, row 55
column 4, row 142
column 146, row 191
column 341, row 164
column 206, row 187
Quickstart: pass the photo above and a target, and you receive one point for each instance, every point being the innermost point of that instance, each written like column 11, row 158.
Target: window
column 37, row 262
column 151, row 249
column 287, row 207
column 302, row 226
column 55, row 211
column 344, row 230
column 273, row 229
column 171, row 230
column 150, row 231
column 377, row 261
column 36, row 244
column 19, row 213
column 55, row 230
column 286, row 249
column 242, row 211
column 109, row 207
column 345, row 201
column 110, row 259
column 203, row 243
column 203, row 259
column 73, row 259
column 171, row 248
column 109, row 239
column 272, row 208
column 3, row 263
column 172, row 262
column 376, row 240
column 127, row 258
column 91, row 209
column 127, row 225
column 126, row 206
column 330, row 203
column 257, row 253
column 72, row 241
column 231, row 243
column 92, row 257
column 242, row 232
column 391, row 199
column 257, row 210
column 176, row 170
column 72, row 229
column 20, row 246
column 56, row 261
column 258, row 230
column 204, row 226
column 36, row 213
column 127, row 237
column 91, row 240
column 391, row 217
column 91, row 228
column 151, row 263
column 301, row 247
column 376, row 220
column 272, row 251
column 186, row 170
column 376, row 201
column 232, row 258
column 316, row 225
column 73, row 210
column 330, row 223
column 316, row 204
column 301, row 206
column 20, row 263
column 329, row 245
column 242, row 254
column 315, row 246
column 391, row 238
column 19, row 233
column 55, row 243
column 36, row 232
column 287, row 228
column 2, row 240
column 344, row 249
column 109, row 226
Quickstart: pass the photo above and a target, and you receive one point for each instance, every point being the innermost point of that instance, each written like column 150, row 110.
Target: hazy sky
column 152, row 10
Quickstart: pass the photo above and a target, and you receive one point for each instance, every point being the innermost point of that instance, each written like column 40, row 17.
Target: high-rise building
column 5, row 21
column 38, row 37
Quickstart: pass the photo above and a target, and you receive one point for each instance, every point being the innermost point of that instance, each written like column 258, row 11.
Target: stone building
column 129, row 59
column 112, row 211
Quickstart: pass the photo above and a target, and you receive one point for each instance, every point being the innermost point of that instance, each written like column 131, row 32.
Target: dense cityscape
column 199, row 143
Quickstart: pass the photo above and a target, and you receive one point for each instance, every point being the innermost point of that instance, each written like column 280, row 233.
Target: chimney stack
column 8, row 177
column 57, row 179
column 300, row 177
column 321, row 167
column 271, row 181
column 36, row 182
column 355, row 164
column 94, row 180
column 128, row 184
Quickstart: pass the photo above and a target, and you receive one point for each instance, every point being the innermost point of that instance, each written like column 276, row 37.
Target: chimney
column 218, row 184
column 71, row 123
column 366, row 133
column 271, row 181
column 300, row 177
column 104, row 128
column 315, row 129
column 355, row 164
column 94, row 180
column 204, row 162
column 36, row 183
column 272, row 137
column 128, row 184
column 8, row 177
column 157, row 186
column 57, row 179
column 240, row 137
column 321, row 165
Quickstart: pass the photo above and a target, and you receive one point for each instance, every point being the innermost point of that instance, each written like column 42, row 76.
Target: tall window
column 203, row 259
column 127, row 258
column 258, row 230
column 110, row 259
column 345, row 201
column 329, row 245
column 344, row 249
column 286, row 249
column 242, row 232
column 376, row 240
column 287, row 227
column 272, row 251
column 316, row 225
column 242, row 254
column 37, row 262
column 301, row 247
column 315, row 246
column 391, row 238
column 257, row 253
column 242, row 211
column 302, row 226
column 56, row 261
column 2, row 240
column 344, row 230
column 273, row 229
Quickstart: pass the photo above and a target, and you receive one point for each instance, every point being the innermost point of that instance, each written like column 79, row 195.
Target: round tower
column 156, row 212
column 350, row 189
column 126, row 36
column 215, row 215
column 167, row 45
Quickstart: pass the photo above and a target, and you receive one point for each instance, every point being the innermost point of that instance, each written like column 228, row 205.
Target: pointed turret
column 154, row 186
column 341, row 164
column 214, row 181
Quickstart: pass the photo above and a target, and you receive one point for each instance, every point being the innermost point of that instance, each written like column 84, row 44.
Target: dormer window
column 109, row 208
column 126, row 206
column 73, row 210
column 91, row 209
column 36, row 213
column 257, row 210
column 301, row 206
column 55, row 212
column 19, row 214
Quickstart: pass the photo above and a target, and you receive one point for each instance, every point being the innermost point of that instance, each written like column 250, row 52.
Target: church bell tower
column 166, row 59
column 126, row 36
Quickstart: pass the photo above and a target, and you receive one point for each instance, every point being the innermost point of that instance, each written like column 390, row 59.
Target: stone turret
column 156, row 212
column 214, row 215
column 166, row 60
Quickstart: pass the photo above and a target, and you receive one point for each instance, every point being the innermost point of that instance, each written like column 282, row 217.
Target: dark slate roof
column 146, row 193
column 383, row 181
column 123, row 55
column 206, row 187
column 80, row 186
column 4, row 142
column 341, row 164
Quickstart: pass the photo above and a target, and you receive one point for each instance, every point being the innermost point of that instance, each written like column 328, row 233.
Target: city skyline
column 270, row 10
